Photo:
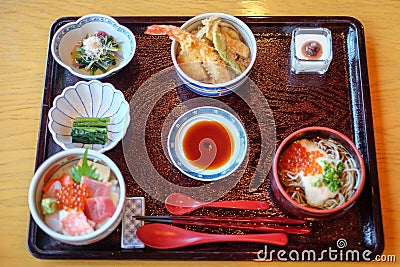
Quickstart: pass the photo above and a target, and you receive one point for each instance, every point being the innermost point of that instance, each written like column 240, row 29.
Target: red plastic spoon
column 180, row 204
column 164, row 236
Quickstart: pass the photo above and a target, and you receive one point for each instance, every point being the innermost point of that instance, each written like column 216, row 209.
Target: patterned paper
column 134, row 206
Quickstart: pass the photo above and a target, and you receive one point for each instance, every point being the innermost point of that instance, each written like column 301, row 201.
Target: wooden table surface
column 24, row 28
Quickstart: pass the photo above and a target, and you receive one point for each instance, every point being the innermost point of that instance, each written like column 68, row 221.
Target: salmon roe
column 72, row 196
column 296, row 159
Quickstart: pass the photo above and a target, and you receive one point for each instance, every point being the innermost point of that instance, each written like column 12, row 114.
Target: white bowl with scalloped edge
column 89, row 99
column 68, row 36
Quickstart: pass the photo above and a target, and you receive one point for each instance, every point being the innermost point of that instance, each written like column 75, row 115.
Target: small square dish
column 311, row 50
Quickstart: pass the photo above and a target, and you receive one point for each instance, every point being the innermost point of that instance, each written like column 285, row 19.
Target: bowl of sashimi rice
column 77, row 196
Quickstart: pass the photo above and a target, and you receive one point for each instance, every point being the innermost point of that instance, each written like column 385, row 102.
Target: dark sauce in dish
column 207, row 145
column 312, row 49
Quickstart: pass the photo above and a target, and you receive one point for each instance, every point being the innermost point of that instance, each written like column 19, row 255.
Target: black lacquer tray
column 339, row 99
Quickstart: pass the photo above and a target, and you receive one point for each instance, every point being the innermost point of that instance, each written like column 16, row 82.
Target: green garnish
column 98, row 51
column 90, row 130
column 78, row 171
column 49, row 205
column 315, row 181
column 331, row 175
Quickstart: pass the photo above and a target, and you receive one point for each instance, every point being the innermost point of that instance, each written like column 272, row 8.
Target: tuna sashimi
column 76, row 223
column 97, row 189
column 98, row 209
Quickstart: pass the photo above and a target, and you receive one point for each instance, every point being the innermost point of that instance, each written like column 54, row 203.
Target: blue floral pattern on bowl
column 222, row 116
column 66, row 38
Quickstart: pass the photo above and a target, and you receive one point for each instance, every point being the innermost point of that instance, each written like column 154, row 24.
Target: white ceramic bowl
column 68, row 36
column 89, row 99
column 52, row 168
column 180, row 127
column 215, row 90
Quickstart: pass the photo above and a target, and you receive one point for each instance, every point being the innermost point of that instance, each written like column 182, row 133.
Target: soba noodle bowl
column 318, row 173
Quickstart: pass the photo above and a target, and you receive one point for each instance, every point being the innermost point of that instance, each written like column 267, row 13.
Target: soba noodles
column 318, row 173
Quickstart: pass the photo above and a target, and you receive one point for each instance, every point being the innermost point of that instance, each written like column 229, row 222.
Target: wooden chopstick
column 241, row 223
column 249, row 219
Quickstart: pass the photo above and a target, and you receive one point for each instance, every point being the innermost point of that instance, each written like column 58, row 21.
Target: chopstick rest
column 134, row 206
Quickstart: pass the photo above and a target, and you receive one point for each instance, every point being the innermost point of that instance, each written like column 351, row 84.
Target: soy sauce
column 207, row 145
column 312, row 49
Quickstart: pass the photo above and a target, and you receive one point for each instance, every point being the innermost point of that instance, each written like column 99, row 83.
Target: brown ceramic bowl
column 308, row 212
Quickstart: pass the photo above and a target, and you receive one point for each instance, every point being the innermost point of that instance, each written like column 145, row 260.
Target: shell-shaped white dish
column 68, row 36
column 89, row 99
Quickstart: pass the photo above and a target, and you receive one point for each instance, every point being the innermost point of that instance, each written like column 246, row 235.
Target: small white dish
column 89, row 99
column 311, row 50
column 229, row 122
column 68, row 36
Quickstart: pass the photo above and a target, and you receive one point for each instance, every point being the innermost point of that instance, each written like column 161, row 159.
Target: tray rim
column 371, row 150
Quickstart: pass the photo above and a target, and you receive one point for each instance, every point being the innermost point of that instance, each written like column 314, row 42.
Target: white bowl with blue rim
column 89, row 99
column 69, row 35
column 219, row 89
column 180, row 127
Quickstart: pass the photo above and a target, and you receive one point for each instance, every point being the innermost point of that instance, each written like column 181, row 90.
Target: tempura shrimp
column 194, row 49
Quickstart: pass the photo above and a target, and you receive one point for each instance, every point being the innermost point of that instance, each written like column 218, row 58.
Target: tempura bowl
column 52, row 168
column 308, row 212
column 220, row 89
column 69, row 35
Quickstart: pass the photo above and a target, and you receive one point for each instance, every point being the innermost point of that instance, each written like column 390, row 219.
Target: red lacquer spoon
column 164, row 236
column 180, row 204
